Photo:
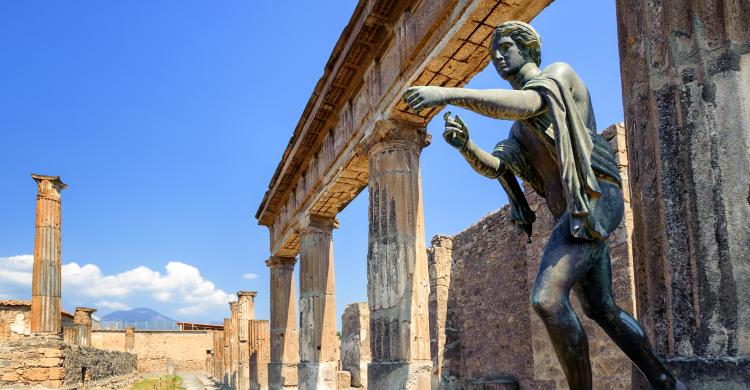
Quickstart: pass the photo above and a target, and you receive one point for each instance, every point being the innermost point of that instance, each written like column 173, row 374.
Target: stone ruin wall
column 480, row 315
column 49, row 362
column 15, row 320
column 185, row 349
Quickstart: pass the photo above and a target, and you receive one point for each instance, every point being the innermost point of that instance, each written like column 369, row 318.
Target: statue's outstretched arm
column 495, row 103
column 457, row 134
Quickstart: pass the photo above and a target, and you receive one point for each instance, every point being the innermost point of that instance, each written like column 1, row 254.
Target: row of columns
column 398, row 282
column 240, row 353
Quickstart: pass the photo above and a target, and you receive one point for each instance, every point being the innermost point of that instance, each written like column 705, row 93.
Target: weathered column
column 130, row 339
column 318, row 343
column 355, row 342
column 245, row 313
column 218, row 355
column 233, row 345
column 209, row 361
column 82, row 324
column 397, row 279
column 260, row 354
column 45, row 281
column 282, row 370
column 227, row 351
column 685, row 68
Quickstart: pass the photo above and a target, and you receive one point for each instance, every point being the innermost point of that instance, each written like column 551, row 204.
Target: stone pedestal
column 318, row 343
column 282, row 369
column 130, row 339
column 355, row 342
column 398, row 283
column 45, row 281
column 685, row 70
column 82, row 324
column 260, row 354
column 245, row 313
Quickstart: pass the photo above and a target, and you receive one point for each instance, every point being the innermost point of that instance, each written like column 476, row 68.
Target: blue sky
column 167, row 120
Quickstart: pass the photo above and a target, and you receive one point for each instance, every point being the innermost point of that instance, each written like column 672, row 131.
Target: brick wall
column 482, row 325
column 185, row 349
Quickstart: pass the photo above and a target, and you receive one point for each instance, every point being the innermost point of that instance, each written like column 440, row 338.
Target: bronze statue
column 553, row 146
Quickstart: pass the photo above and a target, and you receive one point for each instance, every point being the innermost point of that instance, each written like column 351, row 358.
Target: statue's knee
column 545, row 304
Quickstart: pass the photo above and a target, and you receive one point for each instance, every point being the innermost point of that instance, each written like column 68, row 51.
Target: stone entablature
column 386, row 47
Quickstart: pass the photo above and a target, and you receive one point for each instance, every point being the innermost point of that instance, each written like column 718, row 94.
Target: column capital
column 390, row 133
column 318, row 223
column 281, row 262
column 233, row 306
column 246, row 294
column 49, row 186
column 82, row 315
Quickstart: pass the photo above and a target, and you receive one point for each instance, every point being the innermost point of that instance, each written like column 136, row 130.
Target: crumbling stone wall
column 482, row 325
column 49, row 362
column 15, row 322
column 186, row 350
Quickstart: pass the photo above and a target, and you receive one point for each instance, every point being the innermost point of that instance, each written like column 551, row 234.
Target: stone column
column 439, row 261
column 355, row 342
column 218, row 373
column 130, row 339
column 318, row 343
column 245, row 313
column 45, row 281
column 233, row 345
column 82, row 324
column 282, row 370
column 227, row 351
column 685, row 68
column 209, row 361
column 260, row 354
column 398, row 284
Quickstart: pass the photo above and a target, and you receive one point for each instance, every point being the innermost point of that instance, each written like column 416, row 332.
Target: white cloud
column 182, row 285
column 112, row 305
column 15, row 274
column 249, row 276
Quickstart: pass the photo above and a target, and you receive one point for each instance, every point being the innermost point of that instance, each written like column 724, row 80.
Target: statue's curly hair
column 525, row 36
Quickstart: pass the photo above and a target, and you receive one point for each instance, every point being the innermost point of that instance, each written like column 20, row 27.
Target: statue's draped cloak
column 582, row 156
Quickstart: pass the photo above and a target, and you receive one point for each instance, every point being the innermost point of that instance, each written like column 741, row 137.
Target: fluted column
column 685, row 69
column 234, row 345
column 82, row 324
column 245, row 313
column 130, row 339
column 259, row 354
column 45, row 281
column 397, row 276
column 282, row 370
column 317, row 338
column 227, row 351
column 218, row 372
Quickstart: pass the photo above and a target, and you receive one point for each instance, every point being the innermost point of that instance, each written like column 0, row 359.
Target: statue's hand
column 419, row 98
column 456, row 132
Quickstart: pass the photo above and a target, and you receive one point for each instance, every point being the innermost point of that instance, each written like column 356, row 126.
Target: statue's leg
column 594, row 292
column 565, row 261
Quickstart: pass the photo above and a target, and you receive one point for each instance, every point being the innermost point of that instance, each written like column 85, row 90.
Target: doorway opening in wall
column 83, row 374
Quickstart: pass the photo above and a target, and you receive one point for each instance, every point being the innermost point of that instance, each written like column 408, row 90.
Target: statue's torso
column 536, row 136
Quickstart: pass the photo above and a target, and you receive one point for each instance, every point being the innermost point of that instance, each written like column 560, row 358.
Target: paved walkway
column 198, row 381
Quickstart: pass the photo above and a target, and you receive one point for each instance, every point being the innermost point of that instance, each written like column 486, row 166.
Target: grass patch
column 169, row 382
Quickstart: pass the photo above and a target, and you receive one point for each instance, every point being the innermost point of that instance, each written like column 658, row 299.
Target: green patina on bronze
column 553, row 146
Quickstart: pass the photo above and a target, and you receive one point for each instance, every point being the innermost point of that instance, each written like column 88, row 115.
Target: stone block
column 343, row 380
column 36, row 374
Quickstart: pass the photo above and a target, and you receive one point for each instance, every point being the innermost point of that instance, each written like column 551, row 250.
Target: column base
column 399, row 375
column 282, row 376
column 705, row 373
column 317, row 376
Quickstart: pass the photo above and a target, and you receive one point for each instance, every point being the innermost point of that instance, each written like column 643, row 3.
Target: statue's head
column 514, row 44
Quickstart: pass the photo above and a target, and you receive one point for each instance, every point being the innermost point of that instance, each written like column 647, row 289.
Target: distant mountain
column 141, row 318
